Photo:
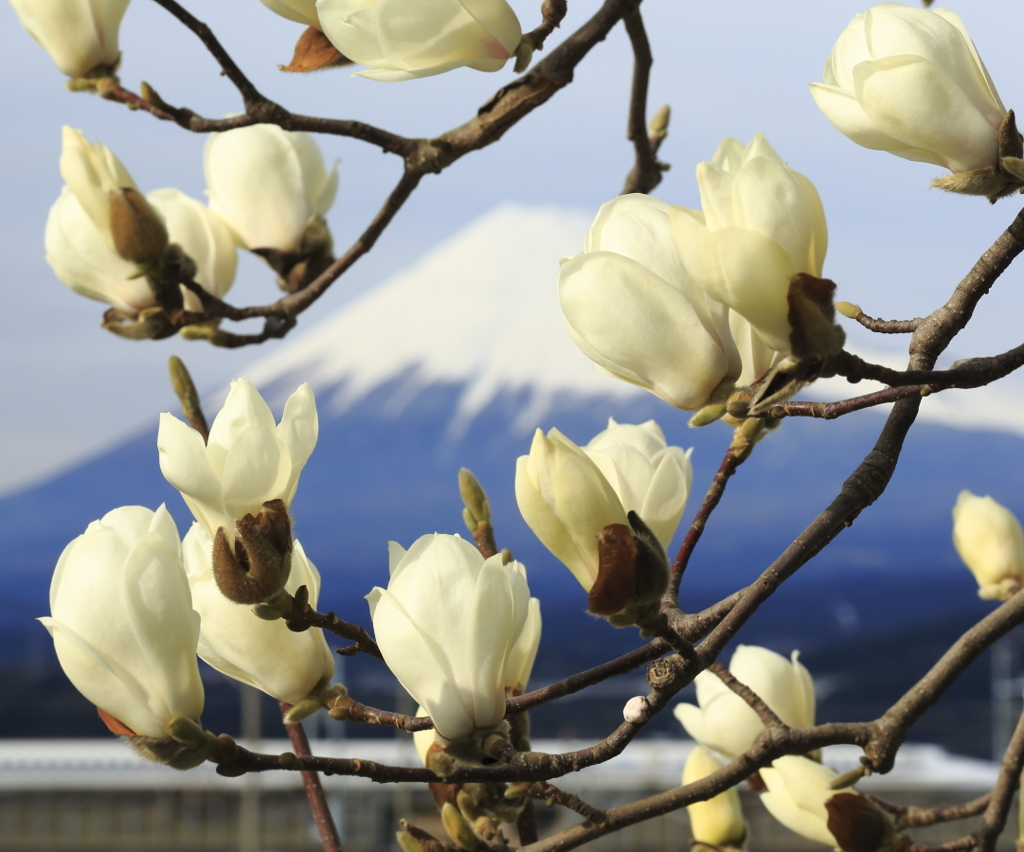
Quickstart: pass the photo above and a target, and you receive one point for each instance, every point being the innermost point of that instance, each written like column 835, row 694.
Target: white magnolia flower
column 83, row 259
column 236, row 642
column 248, row 460
column 300, row 11
column 405, row 39
column 268, row 184
column 568, row 494
column 725, row 722
column 448, row 625
column 566, row 501
column 798, row 789
column 122, row 621
column 990, row 541
column 910, row 81
column 649, row 477
column 761, row 224
column 79, row 35
column 633, row 309
column 717, row 821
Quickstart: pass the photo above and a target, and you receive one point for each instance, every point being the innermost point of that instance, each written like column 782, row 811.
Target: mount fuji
column 453, row 363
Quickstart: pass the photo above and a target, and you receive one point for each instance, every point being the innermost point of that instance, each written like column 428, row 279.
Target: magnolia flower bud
column 83, row 259
column 269, row 185
column 801, row 798
column 300, row 11
column 122, row 622
column 264, row 654
column 717, row 821
column 989, row 539
column 79, row 35
column 726, row 723
column 761, row 224
column 910, row 81
column 405, row 39
column 447, row 625
column 249, row 460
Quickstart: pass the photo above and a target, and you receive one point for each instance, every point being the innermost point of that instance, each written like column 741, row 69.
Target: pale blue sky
column 70, row 388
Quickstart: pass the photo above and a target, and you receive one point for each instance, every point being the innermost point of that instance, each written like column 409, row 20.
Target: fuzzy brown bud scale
column 255, row 568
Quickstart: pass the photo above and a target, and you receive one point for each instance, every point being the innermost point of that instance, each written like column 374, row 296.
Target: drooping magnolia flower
column 82, row 258
column 236, row 642
column 717, row 821
column 990, row 541
column 800, row 796
column 248, row 461
column 268, row 184
column 761, row 224
column 122, row 621
column 448, row 625
column 79, row 35
column 300, row 11
column 632, row 307
column 725, row 722
column 406, row 39
column 568, row 494
column 911, row 82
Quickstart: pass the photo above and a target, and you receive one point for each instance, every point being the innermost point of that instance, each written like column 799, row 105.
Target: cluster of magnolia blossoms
column 608, row 511
column 796, row 790
column 691, row 303
column 103, row 236
column 911, row 82
column 132, row 606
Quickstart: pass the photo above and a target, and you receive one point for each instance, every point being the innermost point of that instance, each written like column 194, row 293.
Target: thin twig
column 646, row 173
column 832, row 410
column 314, row 789
column 555, row 796
column 332, row 624
column 882, row 326
column 911, row 816
column 553, row 12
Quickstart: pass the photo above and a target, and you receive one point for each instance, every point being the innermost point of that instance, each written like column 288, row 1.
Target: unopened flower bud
column 139, row 233
column 459, row 830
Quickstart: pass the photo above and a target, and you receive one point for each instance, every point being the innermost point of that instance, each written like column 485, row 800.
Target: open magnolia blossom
column 718, row 821
column 761, row 224
column 990, row 541
column 406, row 39
column 910, row 81
column 236, row 642
column 79, row 35
column 122, row 621
column 82, row 258
column 268, row 184
column 800, row 796
column 300, row 11
column 248, row 461
column 568, row 495
column 632, row 307
column 725, row 722
column 448, row 625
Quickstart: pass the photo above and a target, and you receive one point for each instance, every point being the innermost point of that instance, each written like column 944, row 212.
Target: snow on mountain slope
column 481, row 309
